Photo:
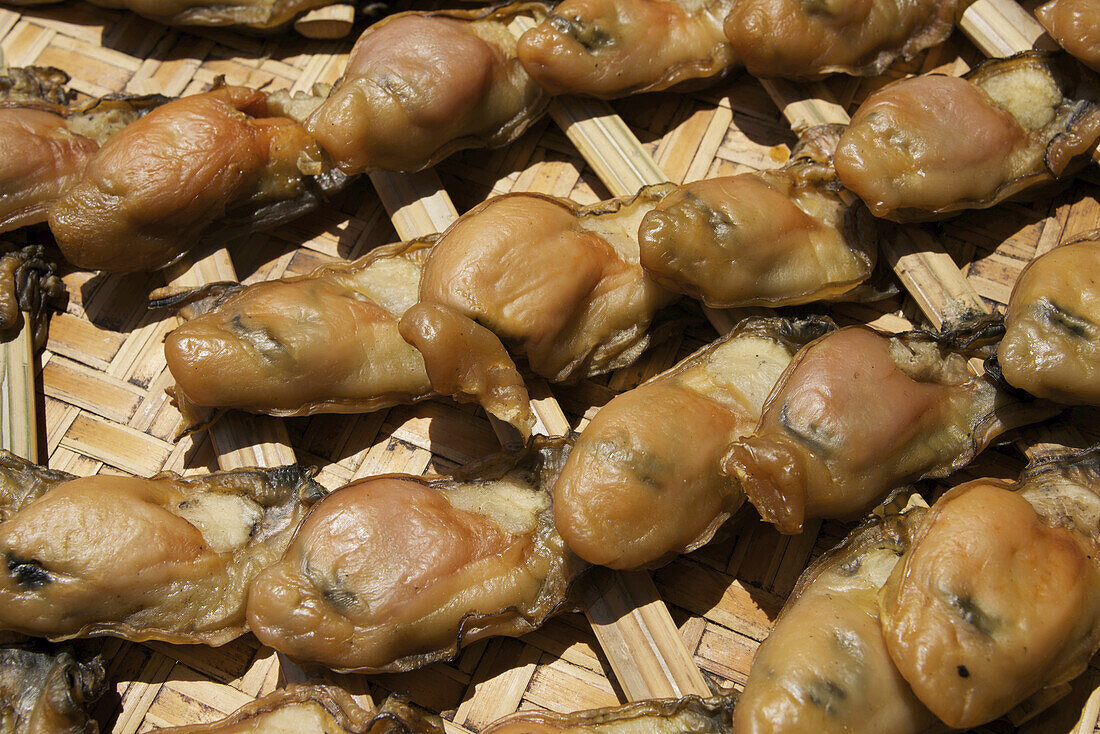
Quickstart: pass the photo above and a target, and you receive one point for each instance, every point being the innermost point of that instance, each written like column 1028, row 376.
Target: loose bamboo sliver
column 334, row 21
column 1002, row 28
column 18, row 407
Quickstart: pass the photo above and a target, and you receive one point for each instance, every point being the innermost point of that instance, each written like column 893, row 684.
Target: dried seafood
column 394, row 572
column 857, row 414
column 796, row 39
column 688, row 715
column 560, row 284
column 151, row 192
column 925, row 147
column 643, row 481
column 824, row 667
column 1051, row 346
column 262, row 16
column 167, row 558
column 419, row 86
column 47, row 690
column 612, row 48
column 29, row 284
column 766, row 238
column 997, row 596
column 1075, row 25
column 323, row 342
column 300, row 709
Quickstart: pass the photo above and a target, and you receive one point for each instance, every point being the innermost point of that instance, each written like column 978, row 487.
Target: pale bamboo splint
column 1002, row 28
column 633, row 625
column 18, row 406
column 333, row 21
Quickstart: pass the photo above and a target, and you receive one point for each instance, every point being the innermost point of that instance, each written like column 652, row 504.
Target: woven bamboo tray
column 103, row 409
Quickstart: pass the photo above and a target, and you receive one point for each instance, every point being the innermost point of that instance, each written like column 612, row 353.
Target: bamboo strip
column 333, row 21
column 1002, row 28
column 18, row 406
column 638, row 635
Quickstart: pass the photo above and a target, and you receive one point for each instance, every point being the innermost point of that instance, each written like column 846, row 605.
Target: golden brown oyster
column 925, row 147
column 1075, row 25
column 29, row 285
column 302, row 709
column 559, row 284
column 825, row 668
column 1051, row 346
column 394, row 572
column 47, row 689
column 167, row 558
column 804, row 39
column 643, row 481
column 997, row 597
column 419, row 86
column 688, row 715
column 323, row 342
column 766, row 238
column 611, row 48
column 263, row 16
column 155, row 187
column 858, row 414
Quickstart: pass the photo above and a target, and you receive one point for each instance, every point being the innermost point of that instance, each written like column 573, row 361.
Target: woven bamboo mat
column 103, row 374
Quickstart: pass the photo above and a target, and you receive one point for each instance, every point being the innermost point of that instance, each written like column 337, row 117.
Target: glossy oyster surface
column 153, row 190
column 558, row 283
column 48, row 690
column 926, row 147
column 997, row 598
column 1075, row 25
column 825, row 667
column 643, row 481
column 612, row 48
column 298, row 709
column 800, row 40
column 327, row 342
column 858, row 414
column 394, row 572
column 688, row 715
column 168, row 558
column 1051, row 346
column 419, row 86
column 766, row 238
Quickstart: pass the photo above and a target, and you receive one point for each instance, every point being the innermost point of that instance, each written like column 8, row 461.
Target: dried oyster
column 997, row 596
column 925, row 147
column 857, row 414
column 326, row 342
column 1075, row 25
column 318, row 708
column 767, row 238
column 167, row 558
column 29, row 284
column 154, row 188
column 688, row 715
column 394, row 572
column 1051, row 346
column 559, row 284
column 419, row 86
column 799, row 39
column 47, row 689
column 612, row 48
column 643, row 481
column 264, row 16
column 825, row 668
